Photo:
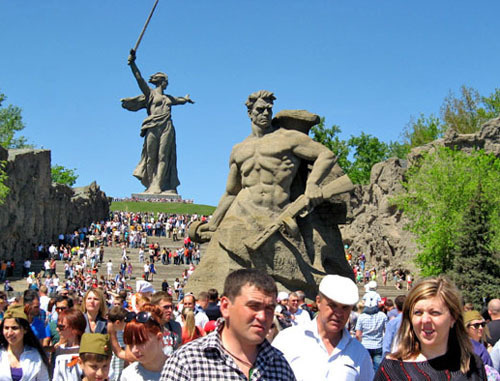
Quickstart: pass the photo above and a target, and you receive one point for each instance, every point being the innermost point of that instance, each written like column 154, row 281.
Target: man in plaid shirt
column 238, row 349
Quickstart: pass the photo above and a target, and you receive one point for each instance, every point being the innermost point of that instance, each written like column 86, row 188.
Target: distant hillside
column 166, row 207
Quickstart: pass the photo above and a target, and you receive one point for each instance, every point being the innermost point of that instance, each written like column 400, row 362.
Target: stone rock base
column 165, row 196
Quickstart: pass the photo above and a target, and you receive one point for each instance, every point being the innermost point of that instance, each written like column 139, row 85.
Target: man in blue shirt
column 31, row 302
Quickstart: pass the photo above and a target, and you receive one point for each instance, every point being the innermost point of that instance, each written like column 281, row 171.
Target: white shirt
column 307, row 355
column 300, row 317
column 200, row 319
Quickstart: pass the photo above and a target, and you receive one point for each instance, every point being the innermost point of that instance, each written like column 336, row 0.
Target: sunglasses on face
column 61, row 308
column 141, row 317
column 477, row 325
column 61, row 327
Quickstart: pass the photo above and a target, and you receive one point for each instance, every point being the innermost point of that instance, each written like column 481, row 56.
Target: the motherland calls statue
column 157, row 169
column 264, row 219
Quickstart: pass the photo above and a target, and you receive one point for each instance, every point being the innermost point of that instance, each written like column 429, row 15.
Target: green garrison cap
column 95, row 343
column 16, row 311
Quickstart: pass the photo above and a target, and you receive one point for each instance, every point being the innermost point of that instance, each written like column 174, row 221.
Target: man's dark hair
column 213, row 295
column 399, row 301
column 117, row 313
column 64, row 298
column 159, row 296
column 252, row 277
column 29, row 296
column 389, row 303
column 261, row 94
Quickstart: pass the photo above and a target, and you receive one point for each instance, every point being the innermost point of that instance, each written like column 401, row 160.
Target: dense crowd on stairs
column 99, row 322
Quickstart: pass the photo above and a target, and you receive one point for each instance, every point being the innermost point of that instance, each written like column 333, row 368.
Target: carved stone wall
column 37, row 211
column 376, row 228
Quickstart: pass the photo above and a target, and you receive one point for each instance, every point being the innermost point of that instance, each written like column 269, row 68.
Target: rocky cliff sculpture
column 377, row 227
column 274, row 215
column 37, row 210
column 157, row 169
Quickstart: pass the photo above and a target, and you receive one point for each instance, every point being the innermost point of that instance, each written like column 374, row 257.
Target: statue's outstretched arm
column 183, row 100
column 137, row 74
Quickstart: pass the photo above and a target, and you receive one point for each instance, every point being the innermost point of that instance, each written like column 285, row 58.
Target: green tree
column 11, row 122
column 467, row 112
column 438, row 190
column 475, row 256
column 330, row 139
column 368, row 150
column 62, row 175
column 423, row 130
column 4, row 189
column 397, row 149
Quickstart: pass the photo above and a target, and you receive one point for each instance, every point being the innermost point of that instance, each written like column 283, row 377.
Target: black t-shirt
column 213, row 311
column 494, row 327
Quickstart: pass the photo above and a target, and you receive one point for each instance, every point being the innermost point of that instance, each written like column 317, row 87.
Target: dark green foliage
column 438, row 192
column 329, row 138
column 4, row 189
column 476, row 265
column 62, row 175
column 368, row 150
column 423, row 130
column 11, row 122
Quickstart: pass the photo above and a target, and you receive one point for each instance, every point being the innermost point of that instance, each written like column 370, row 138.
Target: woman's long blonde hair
column 458, row 340
column 189, row 323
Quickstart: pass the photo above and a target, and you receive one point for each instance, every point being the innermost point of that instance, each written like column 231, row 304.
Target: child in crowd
column 117, row 316
column 95, row 356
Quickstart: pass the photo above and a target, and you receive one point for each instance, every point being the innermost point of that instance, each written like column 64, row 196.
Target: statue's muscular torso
column 267, row 166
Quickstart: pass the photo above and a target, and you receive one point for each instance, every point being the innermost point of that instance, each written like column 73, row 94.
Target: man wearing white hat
column 323, row 348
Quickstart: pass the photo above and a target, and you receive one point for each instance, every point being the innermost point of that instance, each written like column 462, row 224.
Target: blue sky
column 364, row 65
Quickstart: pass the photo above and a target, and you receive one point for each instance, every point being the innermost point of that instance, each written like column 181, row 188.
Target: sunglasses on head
column 141, row 317
column 477, row 325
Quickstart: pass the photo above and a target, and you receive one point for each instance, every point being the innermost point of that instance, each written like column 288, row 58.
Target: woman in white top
column 22, row 358
column 71, row 325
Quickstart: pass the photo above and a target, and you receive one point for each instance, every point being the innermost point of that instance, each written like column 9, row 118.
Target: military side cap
column 339, row 289
column 95, row 343
column 16, row 311
column 471, row 316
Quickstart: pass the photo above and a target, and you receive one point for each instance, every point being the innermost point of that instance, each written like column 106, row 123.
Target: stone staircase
column 168, row 272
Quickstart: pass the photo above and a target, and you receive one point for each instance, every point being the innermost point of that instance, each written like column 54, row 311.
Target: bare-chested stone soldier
column 262, row 170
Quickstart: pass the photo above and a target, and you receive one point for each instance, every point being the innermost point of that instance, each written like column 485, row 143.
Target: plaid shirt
column 373, row 327
column 205, row 360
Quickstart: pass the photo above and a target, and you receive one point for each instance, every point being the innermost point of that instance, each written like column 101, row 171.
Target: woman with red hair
column 71, row 325
column 143, row 335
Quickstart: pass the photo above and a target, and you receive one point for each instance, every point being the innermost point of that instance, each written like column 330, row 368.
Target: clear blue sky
column 364, row 65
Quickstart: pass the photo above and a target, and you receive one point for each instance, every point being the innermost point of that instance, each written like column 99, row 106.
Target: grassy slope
column 167, row 207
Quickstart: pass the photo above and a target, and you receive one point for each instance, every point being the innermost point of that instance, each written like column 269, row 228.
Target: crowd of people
column 89, row 328
column 364, row 274
column 251, row 331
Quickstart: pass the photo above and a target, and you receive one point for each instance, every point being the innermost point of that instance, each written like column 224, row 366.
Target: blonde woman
column 432, row 341
column 94, row 309
column 190, row 331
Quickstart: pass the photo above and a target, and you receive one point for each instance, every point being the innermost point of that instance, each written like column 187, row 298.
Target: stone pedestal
column 164, row 196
